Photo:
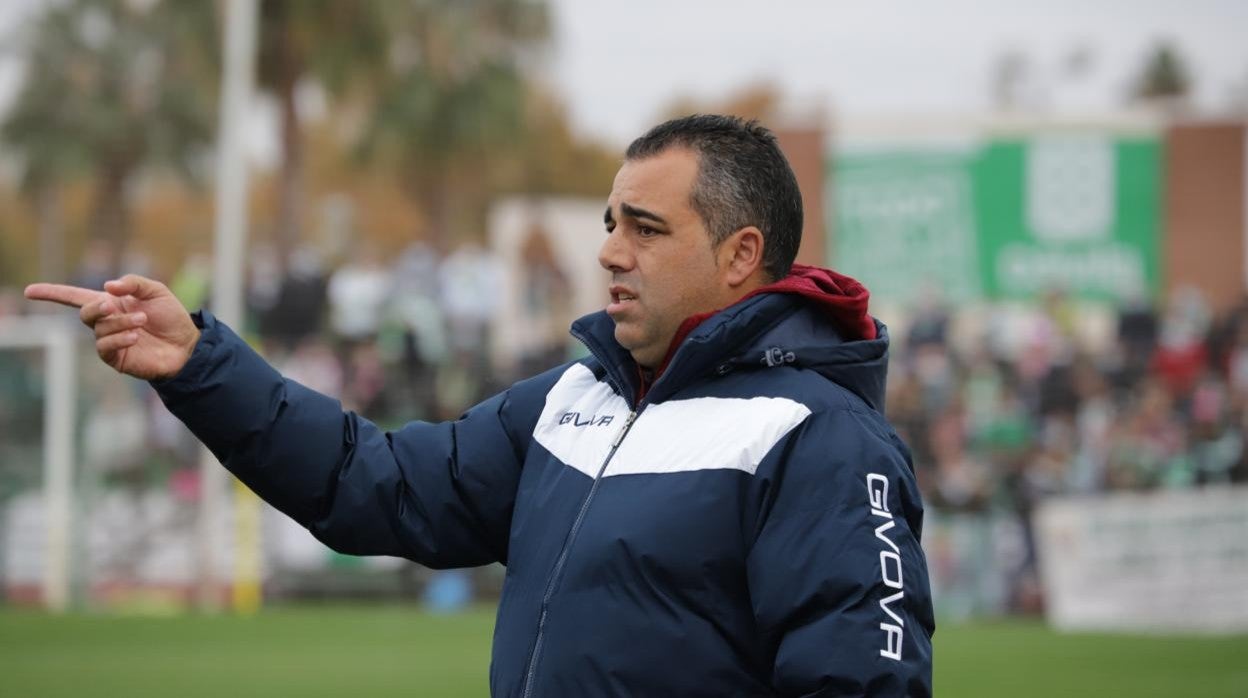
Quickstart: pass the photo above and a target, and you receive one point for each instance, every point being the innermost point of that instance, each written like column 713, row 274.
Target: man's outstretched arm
column 441, row 494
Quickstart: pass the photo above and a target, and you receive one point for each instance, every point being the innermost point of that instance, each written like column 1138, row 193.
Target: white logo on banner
column 1070, row 188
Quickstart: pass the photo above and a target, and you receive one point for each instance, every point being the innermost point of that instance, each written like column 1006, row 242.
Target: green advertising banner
column 1004, row 219
column 905, row 222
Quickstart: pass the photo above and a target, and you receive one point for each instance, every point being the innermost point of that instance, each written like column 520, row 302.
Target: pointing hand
column 140, row 327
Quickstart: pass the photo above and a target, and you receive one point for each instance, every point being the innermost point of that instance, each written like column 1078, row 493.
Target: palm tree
column 454, row 98
column 339, row 44
column 110, row 88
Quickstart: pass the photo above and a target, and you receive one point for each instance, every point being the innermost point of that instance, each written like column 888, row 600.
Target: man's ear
column 741, row 255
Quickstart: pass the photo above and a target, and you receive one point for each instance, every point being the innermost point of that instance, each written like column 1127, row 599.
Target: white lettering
column 883, row 528
column 877, row 499
column 886, row 604
column 1110, row 267
column 885, row 556
column 877, row 492
column 892, row 641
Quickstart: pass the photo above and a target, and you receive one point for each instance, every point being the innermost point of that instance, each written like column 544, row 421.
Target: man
column 711, row 504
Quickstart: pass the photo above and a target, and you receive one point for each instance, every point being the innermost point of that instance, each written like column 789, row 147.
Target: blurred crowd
column 394, row 339
column 1000, row 423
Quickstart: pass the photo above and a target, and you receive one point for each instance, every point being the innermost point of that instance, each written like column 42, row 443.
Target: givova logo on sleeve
column 890, row 567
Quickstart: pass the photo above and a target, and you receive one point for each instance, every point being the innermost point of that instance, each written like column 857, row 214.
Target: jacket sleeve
column 439, row 494
column 837, row 579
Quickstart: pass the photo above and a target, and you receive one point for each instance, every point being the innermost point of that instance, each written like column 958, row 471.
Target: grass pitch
column 400, row 651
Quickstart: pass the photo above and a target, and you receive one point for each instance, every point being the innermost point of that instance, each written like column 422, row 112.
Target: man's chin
column 644, row 356
column 625, row 338
column 629, row 340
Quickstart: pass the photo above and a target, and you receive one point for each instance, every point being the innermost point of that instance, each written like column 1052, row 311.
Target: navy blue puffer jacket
column 749, row 526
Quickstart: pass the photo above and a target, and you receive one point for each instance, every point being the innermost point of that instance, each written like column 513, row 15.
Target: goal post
column 56, row 336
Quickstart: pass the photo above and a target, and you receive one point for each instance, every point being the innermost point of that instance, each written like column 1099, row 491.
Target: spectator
column 357, row 296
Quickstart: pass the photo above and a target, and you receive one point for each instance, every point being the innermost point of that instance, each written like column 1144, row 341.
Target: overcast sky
column 619, row 63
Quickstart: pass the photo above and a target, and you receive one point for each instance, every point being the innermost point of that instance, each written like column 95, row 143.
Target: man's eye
column 646, row 231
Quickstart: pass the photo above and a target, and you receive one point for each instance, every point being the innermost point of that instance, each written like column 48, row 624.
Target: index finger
column 72, row 296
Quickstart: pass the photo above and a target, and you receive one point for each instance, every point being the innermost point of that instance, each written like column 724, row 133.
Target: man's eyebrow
column 636, row 212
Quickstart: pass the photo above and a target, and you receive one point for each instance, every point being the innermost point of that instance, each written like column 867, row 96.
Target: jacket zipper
column 563, row 554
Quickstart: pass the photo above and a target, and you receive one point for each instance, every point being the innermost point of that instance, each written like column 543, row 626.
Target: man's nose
column 614, row 254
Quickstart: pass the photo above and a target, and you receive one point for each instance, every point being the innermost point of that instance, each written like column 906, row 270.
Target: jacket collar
column 712, row 343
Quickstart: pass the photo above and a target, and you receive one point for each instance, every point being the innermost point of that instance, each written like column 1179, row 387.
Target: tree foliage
column 444, row 95
column 1165, row 75
column 338, row 44
column 112, row 87
column 453, row 98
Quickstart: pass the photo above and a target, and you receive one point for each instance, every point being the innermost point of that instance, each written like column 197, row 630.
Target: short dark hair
column 743, row 180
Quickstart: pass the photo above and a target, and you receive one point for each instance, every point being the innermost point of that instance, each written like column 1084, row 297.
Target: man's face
column 663, row 268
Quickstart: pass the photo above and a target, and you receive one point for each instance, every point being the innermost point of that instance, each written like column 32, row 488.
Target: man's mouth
column 620, row 297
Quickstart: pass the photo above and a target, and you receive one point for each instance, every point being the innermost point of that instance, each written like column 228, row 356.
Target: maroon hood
column 842, row 299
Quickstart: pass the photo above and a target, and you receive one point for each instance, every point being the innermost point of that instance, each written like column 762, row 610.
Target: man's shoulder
column 532, row 392
column 816, row 392
column 835, row 413
column 538, row 385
